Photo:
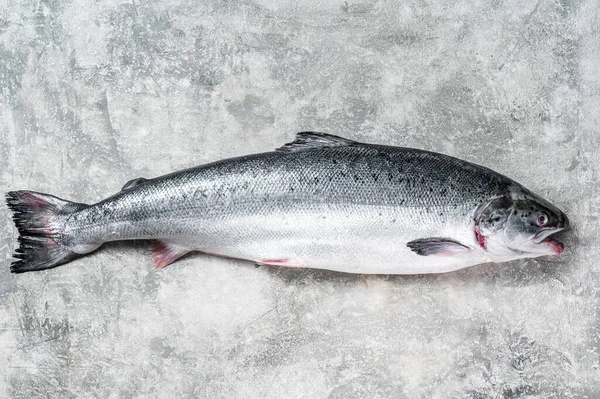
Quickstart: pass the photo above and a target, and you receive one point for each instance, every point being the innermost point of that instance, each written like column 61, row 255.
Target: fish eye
column 541, row 220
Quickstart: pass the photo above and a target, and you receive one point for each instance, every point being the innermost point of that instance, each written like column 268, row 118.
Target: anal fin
column 165, row 253
column 437, row 246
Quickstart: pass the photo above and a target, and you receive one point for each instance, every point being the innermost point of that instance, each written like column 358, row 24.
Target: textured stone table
column 94, row 93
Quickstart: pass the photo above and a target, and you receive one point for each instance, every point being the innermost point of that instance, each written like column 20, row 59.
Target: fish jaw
column 500, row 251
column 556, row 247
column 544, row 244
column 544, row 234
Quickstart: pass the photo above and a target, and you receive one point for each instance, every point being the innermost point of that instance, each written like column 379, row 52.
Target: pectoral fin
column 437, row 246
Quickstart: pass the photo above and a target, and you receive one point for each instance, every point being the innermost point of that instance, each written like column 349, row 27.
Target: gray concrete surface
column 94, row 93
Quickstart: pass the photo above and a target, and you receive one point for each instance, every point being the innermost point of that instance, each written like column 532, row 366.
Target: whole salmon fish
column 321, row 201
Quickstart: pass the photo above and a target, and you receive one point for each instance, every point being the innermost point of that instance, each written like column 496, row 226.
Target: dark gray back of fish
column 347, row 176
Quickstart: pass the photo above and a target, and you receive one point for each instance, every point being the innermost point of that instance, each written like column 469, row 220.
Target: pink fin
column 164, row 253
column 277, row 262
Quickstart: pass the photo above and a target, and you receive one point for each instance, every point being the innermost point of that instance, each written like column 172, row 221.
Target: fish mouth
column 543, row 238
column 543, row 235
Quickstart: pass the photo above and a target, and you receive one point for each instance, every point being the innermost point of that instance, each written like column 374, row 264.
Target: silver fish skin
column 321, row 201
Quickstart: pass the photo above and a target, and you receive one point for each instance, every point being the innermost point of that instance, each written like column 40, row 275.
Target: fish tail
column 40, row 220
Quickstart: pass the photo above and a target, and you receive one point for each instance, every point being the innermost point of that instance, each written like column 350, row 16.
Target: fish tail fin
column 40, row 220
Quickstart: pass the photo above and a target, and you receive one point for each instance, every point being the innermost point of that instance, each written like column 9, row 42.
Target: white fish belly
column 372, row 241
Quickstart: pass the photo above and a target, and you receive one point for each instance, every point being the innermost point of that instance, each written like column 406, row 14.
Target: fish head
column 519, row 224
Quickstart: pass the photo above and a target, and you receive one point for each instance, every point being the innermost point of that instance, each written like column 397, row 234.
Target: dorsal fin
column 133, row 183
column 311, row 140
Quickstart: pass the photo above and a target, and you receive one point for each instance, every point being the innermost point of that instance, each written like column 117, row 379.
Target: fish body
column 320, row 202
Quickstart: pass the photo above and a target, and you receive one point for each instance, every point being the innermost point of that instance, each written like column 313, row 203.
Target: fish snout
column 563, row 222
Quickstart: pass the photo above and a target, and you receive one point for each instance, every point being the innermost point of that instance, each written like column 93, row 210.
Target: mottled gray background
column 94, row 93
